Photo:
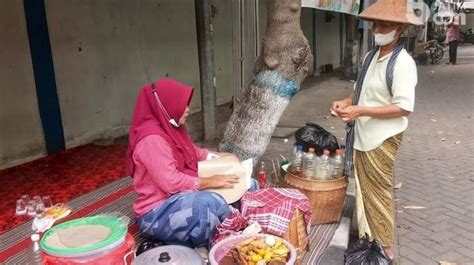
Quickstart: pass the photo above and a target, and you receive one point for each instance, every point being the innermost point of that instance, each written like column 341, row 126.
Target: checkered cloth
column 273, row 208
column 233, row 224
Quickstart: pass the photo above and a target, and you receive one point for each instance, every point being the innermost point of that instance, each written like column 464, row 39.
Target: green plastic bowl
column 116, row 225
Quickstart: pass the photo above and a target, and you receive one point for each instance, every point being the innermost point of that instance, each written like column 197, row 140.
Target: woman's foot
column 389, row 251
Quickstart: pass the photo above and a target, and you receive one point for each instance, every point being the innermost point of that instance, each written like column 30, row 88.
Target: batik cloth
column 374, row 190
column 186, row 218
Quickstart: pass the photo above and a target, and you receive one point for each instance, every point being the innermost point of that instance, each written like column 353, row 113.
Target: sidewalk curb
column 334, row 253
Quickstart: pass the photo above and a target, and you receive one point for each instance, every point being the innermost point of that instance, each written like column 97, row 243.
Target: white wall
column 262, row 21
column 327, row 39
column 469, row 22
column 307, row 27
column 21, row 134
column 222, row 24
column 103, row 53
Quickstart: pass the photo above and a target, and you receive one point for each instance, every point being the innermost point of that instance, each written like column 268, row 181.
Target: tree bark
column 284, row 62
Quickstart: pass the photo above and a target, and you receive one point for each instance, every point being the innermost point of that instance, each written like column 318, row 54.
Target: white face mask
column 384, row 39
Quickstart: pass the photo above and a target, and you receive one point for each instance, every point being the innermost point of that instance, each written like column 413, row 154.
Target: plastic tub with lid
column 169, row 255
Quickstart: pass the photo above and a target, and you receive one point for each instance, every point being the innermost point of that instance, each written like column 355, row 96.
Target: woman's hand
column 339, row 105
column 218, row 181
column 350, row 113
column 222, row 154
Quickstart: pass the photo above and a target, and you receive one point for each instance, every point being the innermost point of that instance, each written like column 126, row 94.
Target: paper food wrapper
column 228, row 165
column 79, row 236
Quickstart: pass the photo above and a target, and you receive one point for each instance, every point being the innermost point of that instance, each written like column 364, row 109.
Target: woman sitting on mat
column 164, row 165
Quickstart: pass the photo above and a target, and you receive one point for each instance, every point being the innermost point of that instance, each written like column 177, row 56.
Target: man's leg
column 450, row 51
column 455, row 51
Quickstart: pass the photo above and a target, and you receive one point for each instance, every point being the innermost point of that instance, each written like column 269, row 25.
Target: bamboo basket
column 326, row 196
column 297, row 234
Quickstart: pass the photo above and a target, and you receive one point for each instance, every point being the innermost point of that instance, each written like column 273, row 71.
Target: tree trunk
column 284, row 62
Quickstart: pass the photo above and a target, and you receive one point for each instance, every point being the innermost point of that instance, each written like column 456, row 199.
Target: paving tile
column 451, row 256
column 443, row 182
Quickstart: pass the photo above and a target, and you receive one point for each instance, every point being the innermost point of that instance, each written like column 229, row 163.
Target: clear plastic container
column 323, row 168
column 337, row 165
column 262, row 175
column 297, row 159
column 34, row 253
column 309, row 160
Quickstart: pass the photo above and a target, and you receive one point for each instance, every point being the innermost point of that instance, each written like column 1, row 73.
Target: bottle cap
column 311, row 150
column 326, row 152
column 338, row 151
column 35, row 237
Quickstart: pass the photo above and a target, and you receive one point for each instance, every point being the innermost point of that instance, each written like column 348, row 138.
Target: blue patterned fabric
column 187, row 218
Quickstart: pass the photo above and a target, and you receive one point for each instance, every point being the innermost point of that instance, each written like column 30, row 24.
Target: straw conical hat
column 391, row 10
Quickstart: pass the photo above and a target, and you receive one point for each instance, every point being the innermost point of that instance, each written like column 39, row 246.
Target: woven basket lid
column 391, row 10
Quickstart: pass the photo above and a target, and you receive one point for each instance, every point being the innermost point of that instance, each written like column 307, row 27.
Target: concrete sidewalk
column 434, row 163
column 310, row 104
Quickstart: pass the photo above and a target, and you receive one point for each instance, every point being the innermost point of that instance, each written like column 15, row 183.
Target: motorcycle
column 440, row 37
column 466, row 36
column 436, row 51
column 432, row 51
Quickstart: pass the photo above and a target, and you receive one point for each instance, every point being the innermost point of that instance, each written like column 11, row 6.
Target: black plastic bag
column 365, row 252
column 313, row 135
column 148, row 244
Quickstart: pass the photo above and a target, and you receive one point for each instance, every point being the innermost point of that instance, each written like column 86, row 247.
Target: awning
column 466, row 6
column 343, row 6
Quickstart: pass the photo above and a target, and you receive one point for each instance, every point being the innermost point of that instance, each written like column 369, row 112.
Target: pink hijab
column 148, row 119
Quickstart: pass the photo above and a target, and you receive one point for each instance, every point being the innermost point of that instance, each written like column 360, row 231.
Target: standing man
column 452, row 32
column 376, row 113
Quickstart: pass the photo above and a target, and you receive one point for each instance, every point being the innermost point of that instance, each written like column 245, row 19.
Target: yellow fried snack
column 254, row 251
column 55, row 211
column 247, row 241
